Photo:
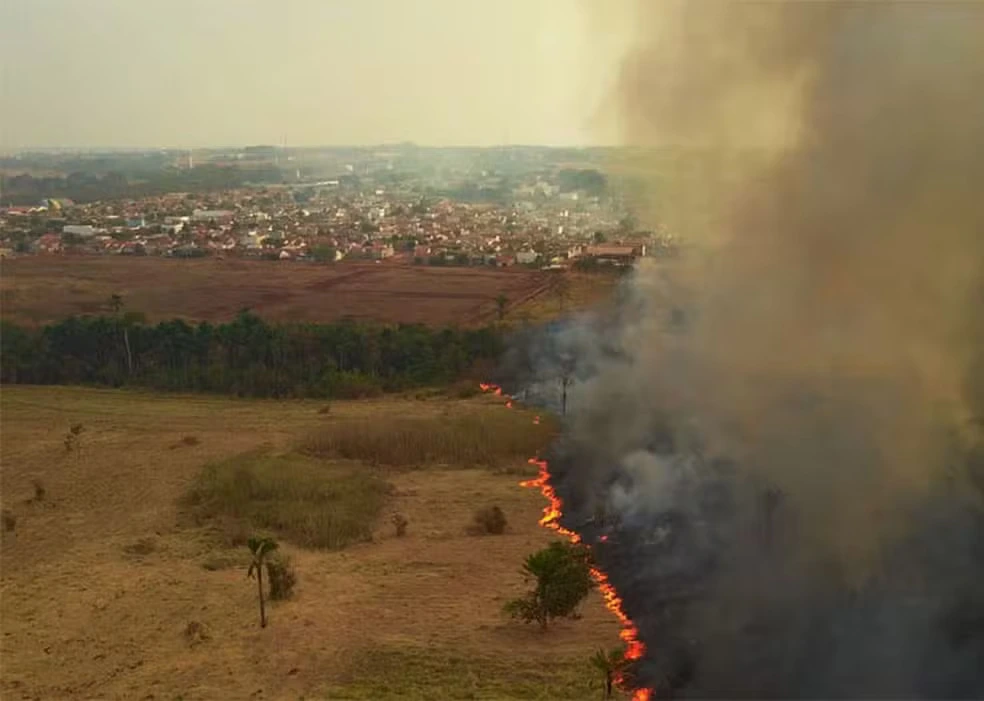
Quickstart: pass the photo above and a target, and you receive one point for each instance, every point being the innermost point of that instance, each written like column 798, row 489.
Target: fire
column 489, row 387
column 634, row 648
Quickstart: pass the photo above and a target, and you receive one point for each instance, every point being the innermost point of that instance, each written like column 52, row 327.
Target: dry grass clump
column 9, row 520
column 196, row 633
column 488, row 438
column 400, row 523
column 39, row 490
column 281, row 577
column 304, row 500
column 488, row 521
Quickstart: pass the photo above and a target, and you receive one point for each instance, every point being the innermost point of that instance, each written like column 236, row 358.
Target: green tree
column 599, row 237
column 562, row 576
column 323, row 254
column 609, row 665
column 260, row 548
column 500, row 306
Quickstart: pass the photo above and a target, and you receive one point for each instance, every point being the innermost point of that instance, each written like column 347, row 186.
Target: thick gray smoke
column 781, row 432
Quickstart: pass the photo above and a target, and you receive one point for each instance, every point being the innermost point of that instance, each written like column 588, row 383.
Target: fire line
column 634, row 648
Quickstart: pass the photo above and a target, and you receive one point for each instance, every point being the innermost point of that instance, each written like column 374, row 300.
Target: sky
column 198, row 73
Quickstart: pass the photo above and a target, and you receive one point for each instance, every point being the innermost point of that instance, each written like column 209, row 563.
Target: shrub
column 39, row 490
column 143, row 546
column 485, row 438
column 9, row 520
column 281, row 576
column 400, row 523
column 562, row 575
column 488, row 521
column 308, row 501
column 326, row 409
column 190, row 440
column 196, row 633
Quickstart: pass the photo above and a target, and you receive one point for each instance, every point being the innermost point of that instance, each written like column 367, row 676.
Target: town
column 538, row 214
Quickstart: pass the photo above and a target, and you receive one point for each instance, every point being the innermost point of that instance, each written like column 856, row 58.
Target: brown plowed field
column 37, row 289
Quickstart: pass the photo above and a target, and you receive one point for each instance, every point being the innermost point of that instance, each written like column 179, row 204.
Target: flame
column 634, row 648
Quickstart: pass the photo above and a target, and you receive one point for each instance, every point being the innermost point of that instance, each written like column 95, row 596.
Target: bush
column 281, row 577
column 305, row 500
column 488, row 521
column 487, row 438
column 39, row 490
column 9, row 520
column 143, row 546
column 562, row 573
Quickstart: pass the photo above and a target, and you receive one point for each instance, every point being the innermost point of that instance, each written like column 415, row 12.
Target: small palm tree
column 609, row 664
column 260, row 548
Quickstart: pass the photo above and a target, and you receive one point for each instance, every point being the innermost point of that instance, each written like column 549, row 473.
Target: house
column 615, row 255
column 527, row 257
column 50, row 243
column 379, row 251
column 212, row 215
column 83, row 230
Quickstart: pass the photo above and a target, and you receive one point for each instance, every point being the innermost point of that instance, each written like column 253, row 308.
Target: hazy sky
column 184, row 73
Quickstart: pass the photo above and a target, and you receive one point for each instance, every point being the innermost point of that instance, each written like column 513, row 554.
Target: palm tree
column 260, row 548
column 609, row 664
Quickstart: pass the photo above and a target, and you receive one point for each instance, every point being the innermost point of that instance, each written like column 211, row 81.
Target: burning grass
column 307, row 501
column 488, row 439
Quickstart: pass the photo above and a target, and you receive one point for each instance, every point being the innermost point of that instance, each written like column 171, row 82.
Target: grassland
column 103, row 576
column 38, row 289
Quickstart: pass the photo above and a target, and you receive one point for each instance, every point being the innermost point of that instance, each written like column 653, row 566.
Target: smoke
column 782, row 430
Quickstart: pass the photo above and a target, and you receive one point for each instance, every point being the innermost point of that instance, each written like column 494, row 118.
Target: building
column 84, row 230
column 615, row 255
column 527, row 257
column 212, row 215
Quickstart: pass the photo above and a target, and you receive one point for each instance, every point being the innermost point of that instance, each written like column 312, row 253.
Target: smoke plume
column 781, row 431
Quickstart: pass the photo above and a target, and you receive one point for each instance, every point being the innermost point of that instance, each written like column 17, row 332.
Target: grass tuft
column 306, row 501
column 488, row 438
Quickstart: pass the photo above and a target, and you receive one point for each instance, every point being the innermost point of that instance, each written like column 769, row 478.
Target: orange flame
column 634, row 648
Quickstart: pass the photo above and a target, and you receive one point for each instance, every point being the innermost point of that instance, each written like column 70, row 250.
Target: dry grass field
column 37, row 289
column 103, row 576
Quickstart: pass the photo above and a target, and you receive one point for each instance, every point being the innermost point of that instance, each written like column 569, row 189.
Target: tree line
column 246, row 357
column 84, row 186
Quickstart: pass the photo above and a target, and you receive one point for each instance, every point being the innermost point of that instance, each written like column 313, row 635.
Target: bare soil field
column 104, row 574
column 38, row 289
